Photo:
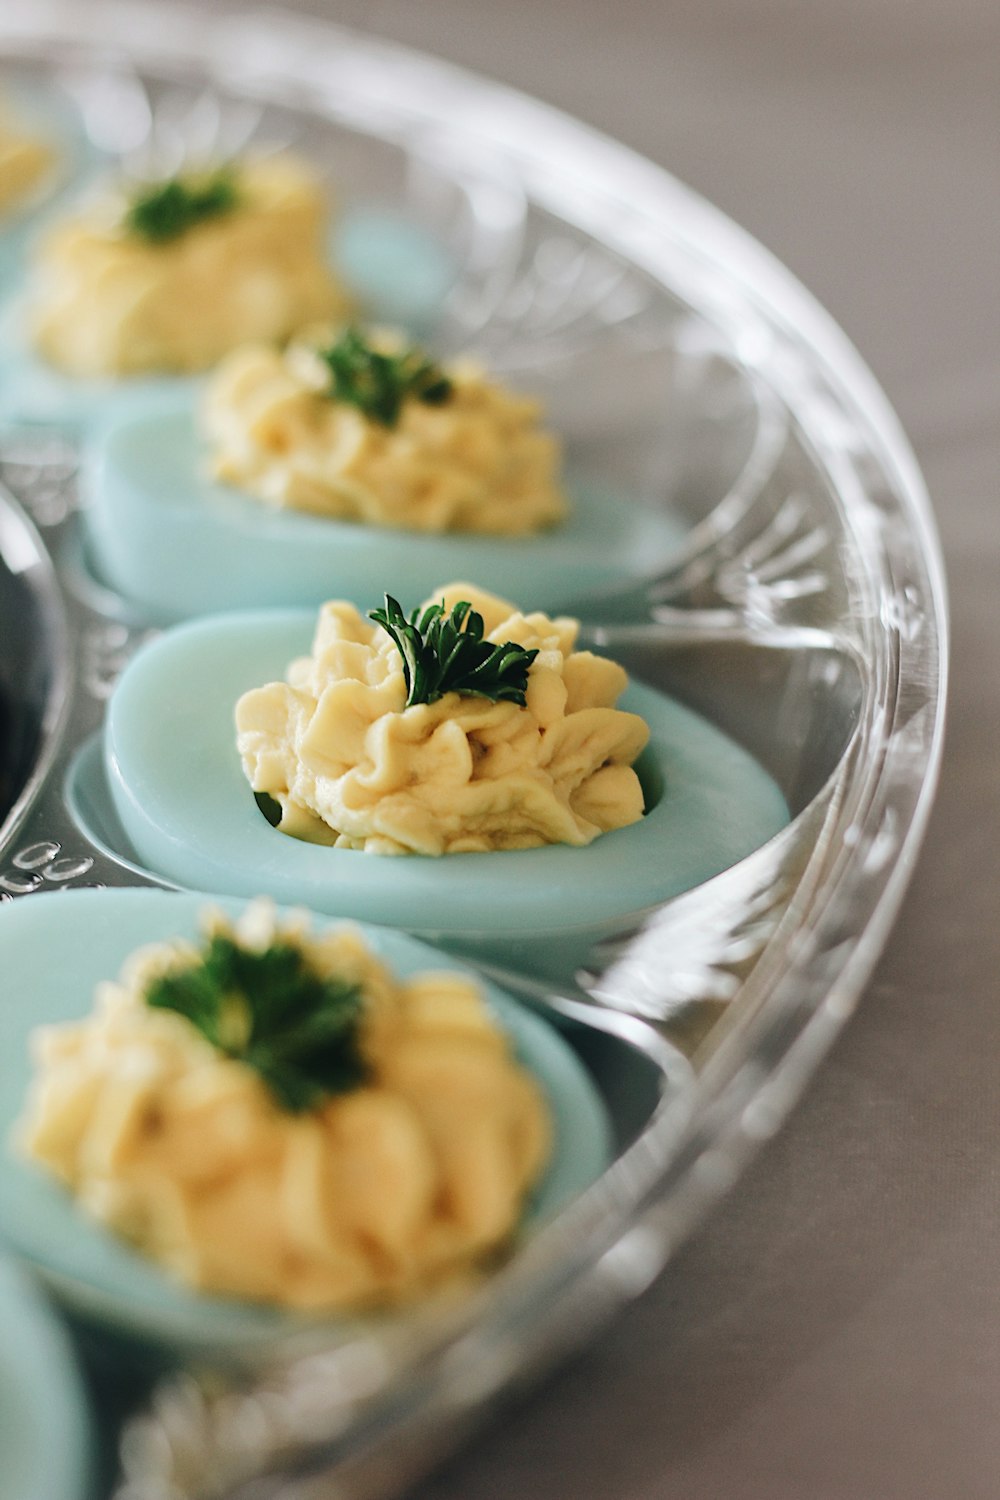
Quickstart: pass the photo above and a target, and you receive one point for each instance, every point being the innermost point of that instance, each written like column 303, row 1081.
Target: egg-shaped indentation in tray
column 642, row 475
column 177, row 543
column 57, row 952
column 188, row 813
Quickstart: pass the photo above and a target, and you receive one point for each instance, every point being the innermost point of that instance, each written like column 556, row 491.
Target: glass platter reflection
column 793, row 597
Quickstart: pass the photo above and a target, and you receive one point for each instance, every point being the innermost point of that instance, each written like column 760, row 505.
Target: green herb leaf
column 445, row 653
column 272, row 1011
column 378, row 383
column 163, row 211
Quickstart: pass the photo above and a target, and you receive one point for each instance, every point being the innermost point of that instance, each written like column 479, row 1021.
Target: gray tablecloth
column 832, row 1333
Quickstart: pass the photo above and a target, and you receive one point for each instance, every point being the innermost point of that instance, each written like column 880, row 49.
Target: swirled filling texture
column 372, row 1197
column 478, row 462
column 109, row 302
column 351, row 765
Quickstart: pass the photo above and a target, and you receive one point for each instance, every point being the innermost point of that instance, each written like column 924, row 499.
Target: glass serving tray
column 796, row 603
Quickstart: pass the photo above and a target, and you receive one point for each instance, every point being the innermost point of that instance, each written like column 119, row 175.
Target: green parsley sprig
column 271, row 1010
column 163, row 211
column 445, row 653
column 378, row 383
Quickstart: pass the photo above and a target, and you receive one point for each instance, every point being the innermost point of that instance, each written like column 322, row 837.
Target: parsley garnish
column 163, row 211
column 272, row 1011
column 379, row 383
column 447, row 654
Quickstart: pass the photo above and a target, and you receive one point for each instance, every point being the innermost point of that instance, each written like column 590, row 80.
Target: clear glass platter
column 794, row 599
